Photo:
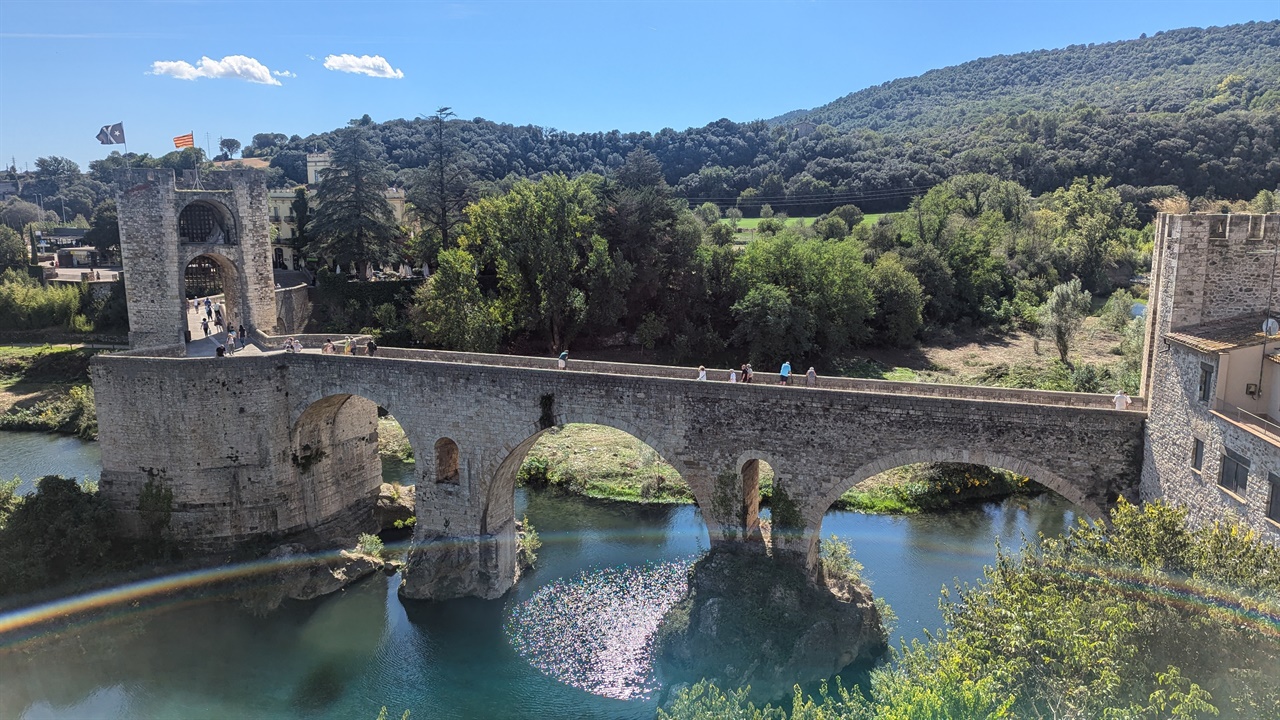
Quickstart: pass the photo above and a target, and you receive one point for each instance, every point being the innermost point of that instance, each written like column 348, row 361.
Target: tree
column 13, row 251
column 104, row 228
column 441, row 191
column 1063, row 313
column 18, row 213
column 539, row 235
column 353, row 222
column 448, row 310
column 850, row 214
column 770, row 326
column 229, row 146
column 899, row 301
column 300, row 206
column 709, row 212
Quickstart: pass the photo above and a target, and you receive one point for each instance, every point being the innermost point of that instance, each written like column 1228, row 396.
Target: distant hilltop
column 1171, row 71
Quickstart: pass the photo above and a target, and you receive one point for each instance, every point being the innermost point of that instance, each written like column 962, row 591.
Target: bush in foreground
column 1145, row 619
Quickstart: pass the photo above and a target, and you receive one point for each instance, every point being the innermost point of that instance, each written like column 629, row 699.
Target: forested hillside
column 1172, row 71
column 1197, row 109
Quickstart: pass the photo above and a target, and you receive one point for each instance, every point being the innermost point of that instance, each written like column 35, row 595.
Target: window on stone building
column 1273, row 504
column 1206, row 382
column 1197, row 454
column 1235, row 472
column 1218, row 227
column 447, row 462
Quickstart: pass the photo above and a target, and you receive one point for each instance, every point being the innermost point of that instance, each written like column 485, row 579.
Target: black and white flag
column 111, row 134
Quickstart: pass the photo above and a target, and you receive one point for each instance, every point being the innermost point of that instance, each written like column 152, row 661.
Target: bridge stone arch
column 500, row 497
column 748, row 465
column 333, row 451
column 204, row 218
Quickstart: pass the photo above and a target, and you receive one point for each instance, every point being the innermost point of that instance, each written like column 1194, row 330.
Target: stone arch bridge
column 258, row 448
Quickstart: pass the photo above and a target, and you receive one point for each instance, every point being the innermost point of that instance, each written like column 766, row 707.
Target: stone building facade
column 1211, row 374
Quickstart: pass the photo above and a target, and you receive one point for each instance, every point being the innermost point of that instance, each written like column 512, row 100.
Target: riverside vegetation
column 1143, row 619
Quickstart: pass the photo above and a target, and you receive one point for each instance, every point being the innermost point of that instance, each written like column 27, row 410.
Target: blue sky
column 69, row 67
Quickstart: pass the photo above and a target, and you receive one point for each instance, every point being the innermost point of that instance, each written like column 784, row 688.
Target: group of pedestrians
column 348, row 347
column 747, row 375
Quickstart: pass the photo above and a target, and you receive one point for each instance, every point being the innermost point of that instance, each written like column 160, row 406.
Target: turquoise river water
column 570, row 641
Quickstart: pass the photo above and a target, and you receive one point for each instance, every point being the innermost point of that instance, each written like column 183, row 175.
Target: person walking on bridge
column 1122, row 400
column 811, row 378
column 563, row 361
column 702, row 372
column 784, row 375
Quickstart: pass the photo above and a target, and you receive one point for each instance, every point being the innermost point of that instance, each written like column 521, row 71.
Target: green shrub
column 838, row 562
column 370, row 545
column 527, row 544
column 1095, row 624
column 59, row 533
column 534, row 472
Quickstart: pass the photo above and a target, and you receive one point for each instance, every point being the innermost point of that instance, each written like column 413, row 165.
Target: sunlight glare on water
column 595, row 631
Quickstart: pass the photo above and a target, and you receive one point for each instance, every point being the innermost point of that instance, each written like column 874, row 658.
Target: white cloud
column 371, row 65
column 231, row 66
column 284, row 73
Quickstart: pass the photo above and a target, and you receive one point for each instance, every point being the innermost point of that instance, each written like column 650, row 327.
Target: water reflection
column 350, row 654
column 595, row 631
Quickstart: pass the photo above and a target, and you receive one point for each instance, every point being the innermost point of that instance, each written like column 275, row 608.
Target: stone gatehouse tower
column 1211, row 374
column 166, row 223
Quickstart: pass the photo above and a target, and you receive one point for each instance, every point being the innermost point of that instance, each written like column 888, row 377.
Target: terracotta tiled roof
column 1224, row 335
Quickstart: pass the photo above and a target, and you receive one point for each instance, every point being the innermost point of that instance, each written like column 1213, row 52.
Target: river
column 568, row 641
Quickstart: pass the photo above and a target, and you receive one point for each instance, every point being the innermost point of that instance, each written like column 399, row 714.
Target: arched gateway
column 165, row 225
column 274, row 447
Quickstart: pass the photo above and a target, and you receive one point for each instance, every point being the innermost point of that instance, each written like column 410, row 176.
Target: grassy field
column 747, row 226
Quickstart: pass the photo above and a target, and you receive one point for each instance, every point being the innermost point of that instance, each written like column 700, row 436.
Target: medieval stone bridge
column 265, row 447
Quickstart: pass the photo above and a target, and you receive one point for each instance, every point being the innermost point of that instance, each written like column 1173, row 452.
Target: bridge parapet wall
column 969, row 392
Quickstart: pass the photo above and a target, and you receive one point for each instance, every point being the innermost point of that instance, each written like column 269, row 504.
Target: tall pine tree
column 353, row 222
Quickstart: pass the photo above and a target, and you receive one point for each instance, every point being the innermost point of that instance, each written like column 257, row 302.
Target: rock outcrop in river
column 751, row 620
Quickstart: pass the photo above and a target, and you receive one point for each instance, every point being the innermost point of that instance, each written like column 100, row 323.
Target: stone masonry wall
column 222, row 432
column 1206, row 268
column 155, row 257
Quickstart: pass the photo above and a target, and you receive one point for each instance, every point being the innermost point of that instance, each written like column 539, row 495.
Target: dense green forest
column 1168, row 72
column 1196, row 109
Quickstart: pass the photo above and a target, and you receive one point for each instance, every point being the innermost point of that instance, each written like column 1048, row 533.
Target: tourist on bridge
column 702, row 372
column 563, row 361
column 221, row 351
column 204, row 325
column 746, row 373
column 240, row 331
column 327, row 348
column 733, row 375
column 811, row 378
column 370, row 347
column 1121, row 400
column 231, row 341
column 784, row 375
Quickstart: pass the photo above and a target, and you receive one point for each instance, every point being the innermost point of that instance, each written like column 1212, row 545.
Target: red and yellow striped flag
column 185, row 141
